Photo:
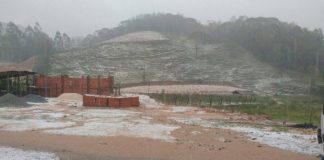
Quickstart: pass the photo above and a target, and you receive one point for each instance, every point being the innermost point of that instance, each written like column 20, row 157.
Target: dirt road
column 206, row 144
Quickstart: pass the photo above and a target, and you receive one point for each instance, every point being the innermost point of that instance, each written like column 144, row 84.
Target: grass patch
column 294, row 109
column 279, row 129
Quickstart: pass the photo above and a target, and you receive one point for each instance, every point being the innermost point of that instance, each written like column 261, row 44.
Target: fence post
column 230, row 100
column 62, row 84
column 221, row 100
column 99, row 87
column 163, row 95
column 210, row 101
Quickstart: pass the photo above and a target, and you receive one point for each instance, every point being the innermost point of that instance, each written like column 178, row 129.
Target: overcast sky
column 81, row 17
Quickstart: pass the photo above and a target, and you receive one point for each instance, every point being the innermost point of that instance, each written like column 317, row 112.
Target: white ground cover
column 32, row 124
column 32, row 118
column 147, row 101
column 295, row 142
column 114, row 122
column 181, row 109
column 306, row 144
column 84, row 122
column 7, row 153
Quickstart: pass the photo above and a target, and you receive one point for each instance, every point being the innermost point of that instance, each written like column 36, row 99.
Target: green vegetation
column 295, row 109
column 204, row 100
column 18, row 43
column 284, row 45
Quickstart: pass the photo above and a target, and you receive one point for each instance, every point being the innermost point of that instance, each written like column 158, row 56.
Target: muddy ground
column 62, row 129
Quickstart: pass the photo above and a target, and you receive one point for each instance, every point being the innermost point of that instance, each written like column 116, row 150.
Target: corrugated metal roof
column 25, row 66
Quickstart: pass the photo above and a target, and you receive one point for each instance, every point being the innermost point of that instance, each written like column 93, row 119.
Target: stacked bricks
column 109, row 101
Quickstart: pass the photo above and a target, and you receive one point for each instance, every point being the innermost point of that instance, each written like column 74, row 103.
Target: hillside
column 175, row 60
column 282, row 44
column 145, row 36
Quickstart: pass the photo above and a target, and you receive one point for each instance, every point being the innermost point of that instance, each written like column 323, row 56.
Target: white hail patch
column 32, row 124
column 180, row 109
column 7, row 153
column 116, row 122
column 300, row 143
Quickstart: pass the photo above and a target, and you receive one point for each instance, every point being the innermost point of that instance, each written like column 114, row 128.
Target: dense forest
column 281, row 44
column 18, row 43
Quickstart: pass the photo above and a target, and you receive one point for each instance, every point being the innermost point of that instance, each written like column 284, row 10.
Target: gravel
column 35, row 98
column 10, row 100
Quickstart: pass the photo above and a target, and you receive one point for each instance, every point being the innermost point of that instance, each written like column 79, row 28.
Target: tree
column 18, row 43
column 67, row 43
column 58, row 41
column 284, row 45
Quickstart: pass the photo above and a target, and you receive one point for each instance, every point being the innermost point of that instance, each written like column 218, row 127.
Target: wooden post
column 188, row 99
column 27, row 84
column 221, row 100
column 82, row 82
column 119, row 89
column 88, row 86
column 19, row 84
column 210, row 101
column 8, row 85
column 34, row 80
column 62, row 84
column 99, row 87
column 56, row 90
column 111, row 78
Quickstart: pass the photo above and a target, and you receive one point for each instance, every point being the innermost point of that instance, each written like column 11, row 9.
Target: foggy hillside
column 281, row 44
column 175, row 60
column 253, row 53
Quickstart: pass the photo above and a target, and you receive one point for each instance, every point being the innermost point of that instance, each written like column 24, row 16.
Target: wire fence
column 203, row 100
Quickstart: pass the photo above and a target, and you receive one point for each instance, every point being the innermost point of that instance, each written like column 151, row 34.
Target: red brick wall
column 54, row 86
column 114, row 102
column 89, row 101
column 102, row 101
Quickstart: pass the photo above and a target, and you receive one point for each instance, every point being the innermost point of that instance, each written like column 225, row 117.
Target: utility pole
column 46, row 67
column 144, row 75
column 317, row 65
column 311, row 109
column 196, row 49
